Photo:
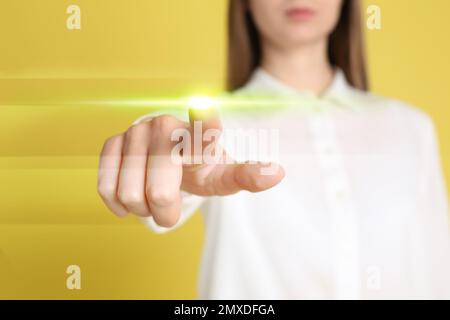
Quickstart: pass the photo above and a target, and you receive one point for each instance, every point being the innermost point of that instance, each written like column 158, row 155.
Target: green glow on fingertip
column 201, row 103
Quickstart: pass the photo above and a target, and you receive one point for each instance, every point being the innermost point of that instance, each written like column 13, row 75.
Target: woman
column 357, row 209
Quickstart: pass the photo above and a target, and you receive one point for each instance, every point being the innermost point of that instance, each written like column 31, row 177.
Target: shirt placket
column 338, row 196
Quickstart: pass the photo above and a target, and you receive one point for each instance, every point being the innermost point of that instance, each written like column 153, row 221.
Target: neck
column 305, row 68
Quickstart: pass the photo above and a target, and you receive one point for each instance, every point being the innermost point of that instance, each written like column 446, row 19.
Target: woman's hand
column 138, row 172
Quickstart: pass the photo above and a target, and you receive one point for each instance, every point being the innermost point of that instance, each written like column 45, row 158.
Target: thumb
column 258, row 177
column 253, row 177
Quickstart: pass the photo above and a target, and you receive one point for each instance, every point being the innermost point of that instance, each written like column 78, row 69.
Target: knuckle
column 106, row 190
column 161, row 197
column 137, row 130
column 136, row 142
column 111, row 141
column 164, row 125
column 131, row 199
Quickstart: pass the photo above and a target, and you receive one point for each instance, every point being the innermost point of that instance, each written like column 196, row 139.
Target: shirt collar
column 337, row 92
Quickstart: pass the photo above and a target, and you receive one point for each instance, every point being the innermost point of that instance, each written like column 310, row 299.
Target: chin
column 304, row 38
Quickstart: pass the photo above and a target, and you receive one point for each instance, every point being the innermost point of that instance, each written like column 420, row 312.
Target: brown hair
column 346, row 45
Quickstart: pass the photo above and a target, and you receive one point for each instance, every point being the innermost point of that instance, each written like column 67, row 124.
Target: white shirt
column 362, row 212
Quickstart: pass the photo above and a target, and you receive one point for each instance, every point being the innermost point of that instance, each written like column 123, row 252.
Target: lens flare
column 201, row 103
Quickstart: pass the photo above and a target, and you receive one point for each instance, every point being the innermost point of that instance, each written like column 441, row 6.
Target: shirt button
column 328, row 149
column 340, row 195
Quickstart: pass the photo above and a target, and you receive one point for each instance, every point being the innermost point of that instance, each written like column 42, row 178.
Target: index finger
column 204, row 110
column 205, row 126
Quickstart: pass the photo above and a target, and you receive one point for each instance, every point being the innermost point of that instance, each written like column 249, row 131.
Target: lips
column 300, row 14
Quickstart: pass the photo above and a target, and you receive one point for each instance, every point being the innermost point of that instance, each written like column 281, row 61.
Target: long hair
column 345, row 45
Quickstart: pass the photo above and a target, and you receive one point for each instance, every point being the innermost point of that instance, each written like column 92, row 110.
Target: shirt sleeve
column 430, row 237
column 189, row 203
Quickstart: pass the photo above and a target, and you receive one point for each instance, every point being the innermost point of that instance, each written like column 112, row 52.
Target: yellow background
column 50, row 214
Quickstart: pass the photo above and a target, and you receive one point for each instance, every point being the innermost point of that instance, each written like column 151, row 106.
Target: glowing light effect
column 256, row 103
column 201, row 103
